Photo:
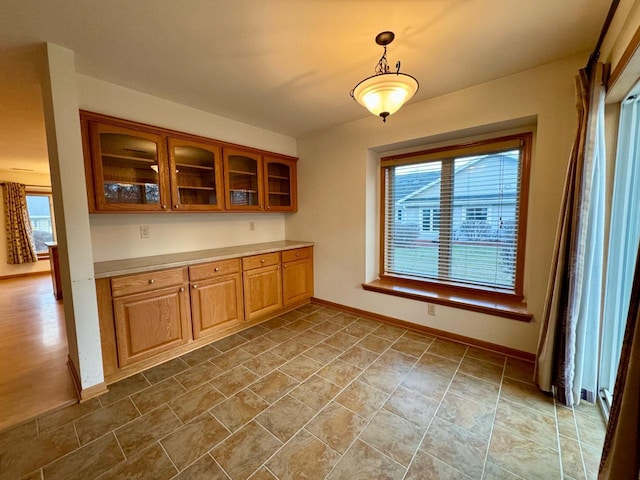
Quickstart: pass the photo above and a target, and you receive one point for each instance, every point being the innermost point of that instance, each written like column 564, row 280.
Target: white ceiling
column 283, row 65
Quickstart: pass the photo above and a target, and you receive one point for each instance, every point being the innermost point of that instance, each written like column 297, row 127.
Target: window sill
column 468, row 301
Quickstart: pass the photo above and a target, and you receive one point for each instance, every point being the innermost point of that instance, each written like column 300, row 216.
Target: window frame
column 34, row 191
column 446, row 292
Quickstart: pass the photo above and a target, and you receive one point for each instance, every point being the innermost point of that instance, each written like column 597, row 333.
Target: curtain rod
column 26, row 185
column 593, row 58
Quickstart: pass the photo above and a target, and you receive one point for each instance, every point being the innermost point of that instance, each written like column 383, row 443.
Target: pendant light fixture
column 385, row 92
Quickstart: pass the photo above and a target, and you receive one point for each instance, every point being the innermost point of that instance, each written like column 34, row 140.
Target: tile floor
column 316, row 393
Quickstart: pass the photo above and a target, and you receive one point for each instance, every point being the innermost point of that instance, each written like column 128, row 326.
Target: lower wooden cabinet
column 216, row 297
column 297, row 276
column 148, row 317
column 263, row 291
column 150, row 323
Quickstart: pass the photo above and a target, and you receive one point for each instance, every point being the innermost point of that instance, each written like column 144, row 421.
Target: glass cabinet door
column 280, row 175
column 195, row 175
column 129, row 168
column 243, row 174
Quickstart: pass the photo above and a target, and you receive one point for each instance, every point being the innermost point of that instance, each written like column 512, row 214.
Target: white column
column 64, row 141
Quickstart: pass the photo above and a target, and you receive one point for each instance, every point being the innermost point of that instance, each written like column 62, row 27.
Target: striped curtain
column 20, row 246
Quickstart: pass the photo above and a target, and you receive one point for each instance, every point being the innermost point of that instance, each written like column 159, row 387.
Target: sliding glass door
column 624, row 235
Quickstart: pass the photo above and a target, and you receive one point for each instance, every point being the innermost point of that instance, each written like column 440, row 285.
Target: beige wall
column 338, row 192
column 118, row 236
column 6, row 270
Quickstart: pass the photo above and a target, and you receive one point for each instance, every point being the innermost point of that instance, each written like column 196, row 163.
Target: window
column 40, row 207
column 470, row 202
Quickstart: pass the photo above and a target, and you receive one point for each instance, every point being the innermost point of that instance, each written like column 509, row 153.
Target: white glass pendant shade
column 385, row 93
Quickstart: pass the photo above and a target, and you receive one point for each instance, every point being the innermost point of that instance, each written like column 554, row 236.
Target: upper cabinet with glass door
column 196, row 175
column 243, row 180
column 128, row 169
column 132, row 167
column 280, row 184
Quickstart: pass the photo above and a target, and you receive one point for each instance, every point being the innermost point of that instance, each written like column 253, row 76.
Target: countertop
column 114, row 268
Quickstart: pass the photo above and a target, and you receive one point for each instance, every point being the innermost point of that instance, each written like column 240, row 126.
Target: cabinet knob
column 278, row 267
column 195, row 286
column 284, row 266
column 297, row 254
column 163, row 206
column 152, row 281
column 176, row 206
column 268, row 207
column 182, row 289
column 217, row 269
column 261, row 261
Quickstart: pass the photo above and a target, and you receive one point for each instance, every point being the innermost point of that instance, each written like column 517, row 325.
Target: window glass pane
column 459, row 220
column 39, row 207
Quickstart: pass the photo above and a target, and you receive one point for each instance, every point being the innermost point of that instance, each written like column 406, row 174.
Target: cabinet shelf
column 195, row 167
column 240, row 172
column 278, row 177
column 243, row 190
column 280, row 193
column 128, row 158
column 127, row 182
column 193, row 187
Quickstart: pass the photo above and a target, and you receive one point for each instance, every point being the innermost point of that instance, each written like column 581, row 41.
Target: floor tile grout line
column 303, row 427
column 373, row 415
column 493, row 422
column 435, row 413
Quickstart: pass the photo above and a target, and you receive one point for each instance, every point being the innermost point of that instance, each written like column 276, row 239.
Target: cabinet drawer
column 297, row 254
column 146, row 282
column 257, row 261
column 214, row 269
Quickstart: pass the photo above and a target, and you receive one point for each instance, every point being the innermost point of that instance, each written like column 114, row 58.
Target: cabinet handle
column 182, row 289
column 195, row 286
column 163, row 206
column 217, row 269
column 152, row 281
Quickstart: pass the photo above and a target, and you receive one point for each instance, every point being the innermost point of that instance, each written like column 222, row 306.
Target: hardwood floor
column 33, row 351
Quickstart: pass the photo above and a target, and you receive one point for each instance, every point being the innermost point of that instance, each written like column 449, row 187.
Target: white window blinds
column 454, row 215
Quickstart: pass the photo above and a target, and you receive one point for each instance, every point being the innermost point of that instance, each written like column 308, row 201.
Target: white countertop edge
column 115, row 268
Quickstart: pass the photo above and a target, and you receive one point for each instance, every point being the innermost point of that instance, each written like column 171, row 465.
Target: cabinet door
column 243, row 180
column 196, row 176
column 216, row 304
column 129, row 169
column 262, row 291
column 297, row 281
column 280, row 185
column 150, row 323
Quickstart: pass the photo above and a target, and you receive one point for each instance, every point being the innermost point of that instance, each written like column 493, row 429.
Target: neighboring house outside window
column 464, row 216
column 40, row 207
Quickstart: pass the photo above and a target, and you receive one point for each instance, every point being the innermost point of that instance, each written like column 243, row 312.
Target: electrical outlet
column 144, row 231
column 431, row 309
column 252, row 226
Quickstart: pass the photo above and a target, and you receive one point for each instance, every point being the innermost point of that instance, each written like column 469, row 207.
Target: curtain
column 20, row 246
column 620, row 459
column 568, row 345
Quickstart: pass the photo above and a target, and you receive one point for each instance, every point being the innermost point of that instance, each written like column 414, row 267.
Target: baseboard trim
column 28, row 274
column 84, row 394
column 511, row 352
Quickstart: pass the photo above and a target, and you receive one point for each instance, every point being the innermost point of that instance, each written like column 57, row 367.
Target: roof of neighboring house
column 430, row 188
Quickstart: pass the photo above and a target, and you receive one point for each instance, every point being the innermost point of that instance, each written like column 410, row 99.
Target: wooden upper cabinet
column 196, row 175
column 280, row 184
column 129, row 169
column 243, row 180
column 132, row 167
